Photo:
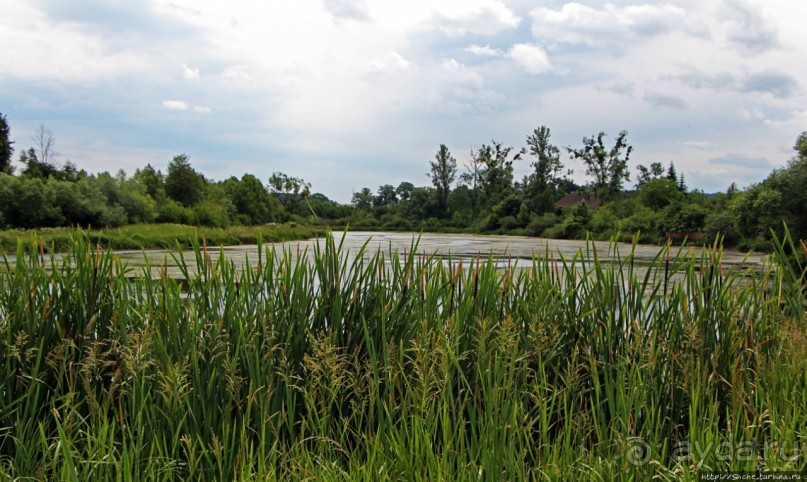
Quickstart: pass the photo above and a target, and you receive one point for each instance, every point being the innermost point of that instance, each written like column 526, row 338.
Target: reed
column 371, row 366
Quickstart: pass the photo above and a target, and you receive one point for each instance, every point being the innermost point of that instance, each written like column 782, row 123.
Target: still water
column 505, row 251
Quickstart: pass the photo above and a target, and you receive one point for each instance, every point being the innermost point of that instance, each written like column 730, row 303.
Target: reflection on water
column 506, row 251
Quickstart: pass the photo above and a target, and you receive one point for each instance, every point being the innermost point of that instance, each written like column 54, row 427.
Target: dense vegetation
column 484, row 197
column 400, row 367
column 159, row 236
column 489, row 199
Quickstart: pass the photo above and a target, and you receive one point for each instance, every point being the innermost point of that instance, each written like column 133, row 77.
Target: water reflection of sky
column 505, row 251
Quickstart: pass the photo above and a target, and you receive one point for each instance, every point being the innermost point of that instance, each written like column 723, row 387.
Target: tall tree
column 386, row 196
column 544, row 179
column 443, row 173
column 152, row 180
column 655, row 171
column 363, row 199
column 252, row 201
column 182, row 183
column 34, row 167
column 404, row 190
column 44, row 143
column 6, row 151
column 609, row 167
column 290, row 191
column 495, row 178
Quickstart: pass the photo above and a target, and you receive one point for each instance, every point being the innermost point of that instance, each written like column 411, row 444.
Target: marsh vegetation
column 393, row 365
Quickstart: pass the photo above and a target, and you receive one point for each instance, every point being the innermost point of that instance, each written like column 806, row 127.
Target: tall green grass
column 398, row 366
column 156, row 236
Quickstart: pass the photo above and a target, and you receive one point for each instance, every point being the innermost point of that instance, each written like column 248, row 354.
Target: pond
column 505, row 251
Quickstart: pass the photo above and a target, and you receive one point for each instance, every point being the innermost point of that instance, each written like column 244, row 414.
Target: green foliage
column 608, row 167
column 443, row 172
column 658, row 193
column 171, row 211
column 152, row 181
column 539, row 224
column 28, row 202
column 604, row 221
column 34, row 168
column 643, row 220
column 362, row 366
column 182, row 183
column 721, row 226
column 683, row 217
column 543, row 181
column 252, row 202
column 363, row 199
column 577, row 221
column 404, row 190
column 495, row 173
column 386, row 196
column 6, row 146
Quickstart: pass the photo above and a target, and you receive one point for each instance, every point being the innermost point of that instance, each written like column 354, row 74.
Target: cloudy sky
column 353, row 93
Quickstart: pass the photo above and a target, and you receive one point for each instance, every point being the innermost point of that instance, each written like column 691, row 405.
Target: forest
column 483, row 196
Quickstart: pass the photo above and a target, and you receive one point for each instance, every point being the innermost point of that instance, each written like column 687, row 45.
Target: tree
column 183, row 184
column 252, row 201
column 43, row 143
column 443, row 173
column 672, row 174
column 655, row 171
column 801, row 145
column 6, row 149
column 608, row 167
column 404, row 190
column 289, row 190
column 544, row 179
column 495, row 179
column 152, row 180
column 386, row 196
column 363, row 199
column 34, row 167
column 658, row 192
column 473, row 172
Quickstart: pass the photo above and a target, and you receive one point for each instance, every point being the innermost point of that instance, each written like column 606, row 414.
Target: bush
column 113, row 217
column 209, row 213
column 508, row 223
column 539, row 224
column 170, row 211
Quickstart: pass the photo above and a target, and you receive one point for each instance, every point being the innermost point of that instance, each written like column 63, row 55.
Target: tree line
column 44, row 194
column 481, row 196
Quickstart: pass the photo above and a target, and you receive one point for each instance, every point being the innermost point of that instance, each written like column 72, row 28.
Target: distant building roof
column 573, row 198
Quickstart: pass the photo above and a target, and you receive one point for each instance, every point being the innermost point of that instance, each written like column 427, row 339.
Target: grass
column 399, row 366
column 149, row 236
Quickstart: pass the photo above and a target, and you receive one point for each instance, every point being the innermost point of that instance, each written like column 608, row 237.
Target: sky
column 355, row 93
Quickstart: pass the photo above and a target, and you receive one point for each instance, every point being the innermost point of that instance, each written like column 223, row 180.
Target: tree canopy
column 608, row 167
column 6, row 148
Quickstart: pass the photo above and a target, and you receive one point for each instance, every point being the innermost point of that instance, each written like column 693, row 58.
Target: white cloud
column 576, row 23
column 474, row 17
column 175, row 105
column 481, row 51
column 671, row 101
column 319, row 78
column 189, row 73
column 531, row 58
column 389, row 63
column 746, row 27
column 347, row 9
column 38, row 47
column 776, row 83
